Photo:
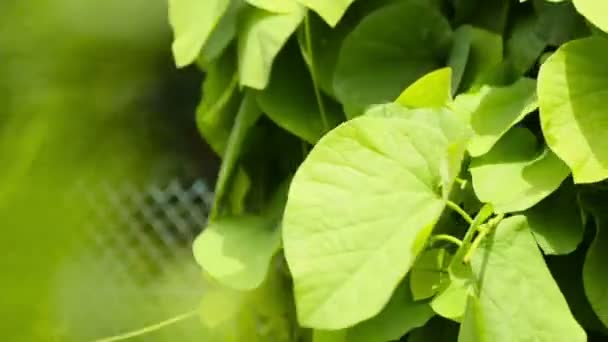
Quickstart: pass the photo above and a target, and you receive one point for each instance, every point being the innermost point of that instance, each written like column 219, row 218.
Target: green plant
column 458, row 153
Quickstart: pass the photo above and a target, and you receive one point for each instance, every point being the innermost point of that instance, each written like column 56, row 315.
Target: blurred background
column 104, row 180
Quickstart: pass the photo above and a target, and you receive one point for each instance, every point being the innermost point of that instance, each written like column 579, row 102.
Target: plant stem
column 461, row 182
column 484, row 230
column 150, row 328
column 447, row 238
column 483, row 214
column 459, row 210
column 312, row 69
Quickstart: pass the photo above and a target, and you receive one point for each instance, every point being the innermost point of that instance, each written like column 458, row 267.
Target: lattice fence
column 136, row 266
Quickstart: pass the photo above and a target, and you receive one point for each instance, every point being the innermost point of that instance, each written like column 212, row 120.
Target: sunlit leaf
column 514, row 288
column 431, row 90
column 261, row 37
column 330, row 11
column 571, row 88
column 514, row 175
column 371, row 174
column 192, row 22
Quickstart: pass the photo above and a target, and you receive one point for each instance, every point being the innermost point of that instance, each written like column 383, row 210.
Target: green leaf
column 487, row 15
column 556, row 221
column 236, row 251
column 330, row 11
column 559, row 23
column 451, row 126
column 246, row 117
column 398, row 317
column 276, row 6
column 514, row 176
column 192, row 22
column 215, row 115
column 431, row 90
column 571, row 89
column 377, row 61
column 474, row 53
column 524, row 46
column 514, row 288
column 451, row 301
column 329, row 336
column 223, row 34
column 494, row 110
column 473, row 327
column 292, row 104
column 429, row 273
column 595, row 11
column 370, row 174
column 595, row 278
column 261, row 38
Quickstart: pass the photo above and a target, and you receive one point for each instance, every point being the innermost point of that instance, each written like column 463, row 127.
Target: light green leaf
column 192, row 22
column 398, row 317
column 223, row 34
column 492, row 111
column 451, row 126
column 595, row 278
column 276, row 6
column 473, row 327
column 451, row 302
column 261, row 38
column 474, row 53
column 556, row 221
column 220, row 102
column 429, row 273
column 292, row 104
column 571, row 91
column 430, row 91
column 330, row 11
column 514, row 288
column 366, row 76
column 370, row 174
column 595, row 11
column 513, row 176
column 236, row 251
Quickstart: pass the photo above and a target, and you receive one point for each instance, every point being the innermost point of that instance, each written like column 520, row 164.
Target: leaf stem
column 459, row 210
column 483, row 230
column 150, row 328
column 312, row 69
column 483, row 214
column 447, row 238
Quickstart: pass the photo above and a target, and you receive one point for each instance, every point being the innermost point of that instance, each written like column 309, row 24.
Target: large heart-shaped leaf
column 192, row 22
column 359, row 210
column 513, row 176
column 572, row 85
column 514, row 288
column 378, row 60
column 262, row 36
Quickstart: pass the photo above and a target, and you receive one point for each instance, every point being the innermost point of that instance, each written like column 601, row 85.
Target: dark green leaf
column 378, row 61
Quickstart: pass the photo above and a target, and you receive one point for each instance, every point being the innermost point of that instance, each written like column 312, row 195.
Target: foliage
column 436, row 154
